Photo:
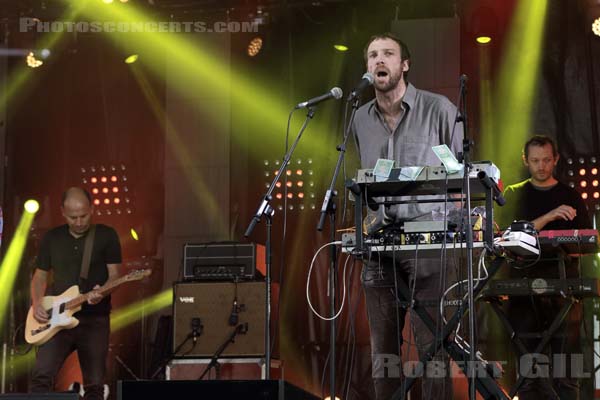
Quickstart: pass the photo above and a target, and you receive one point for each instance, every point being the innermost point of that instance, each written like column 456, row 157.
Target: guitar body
column 60, row 317
column 61, row 308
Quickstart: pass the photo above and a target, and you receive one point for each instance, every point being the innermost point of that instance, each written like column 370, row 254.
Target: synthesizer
column 578, row 287
column 409, row 181
column 428, row 245
column 571, row 241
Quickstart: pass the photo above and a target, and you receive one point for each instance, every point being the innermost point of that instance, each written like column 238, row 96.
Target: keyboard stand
column 486, row 385
column 544, row 336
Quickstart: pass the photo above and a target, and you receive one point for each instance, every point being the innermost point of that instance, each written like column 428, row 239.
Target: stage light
column 31, row 61
column 483, row 39
column 596, row 195
column 594, row 171
column 254, row 46
column 595, row 183
column 95, row 191
column 584, row 196
column 107, row 1
column 340, row 47
column 115, row 189
column 134, row 234
column 299, row 172
column 596, row 27
column 583, row 184
column 103, row 179
column 105, row 190
column 93, row 179
column 278, row 184
column 131, row 59
column 32, row 206
column 117, row 200
column 582, row 171
column 107, row 201
column 96, row 202
column 289, row 184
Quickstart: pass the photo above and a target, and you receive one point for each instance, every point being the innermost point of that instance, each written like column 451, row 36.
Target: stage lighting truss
column 299, row 181
column 109, row 187
column 583, row 174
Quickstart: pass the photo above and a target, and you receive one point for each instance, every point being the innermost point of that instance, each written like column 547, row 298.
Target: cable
column 337, row 314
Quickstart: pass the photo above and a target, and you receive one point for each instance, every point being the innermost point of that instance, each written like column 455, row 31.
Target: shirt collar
column 408, row 99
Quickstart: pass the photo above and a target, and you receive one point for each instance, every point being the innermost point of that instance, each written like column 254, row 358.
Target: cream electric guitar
column 62, row 307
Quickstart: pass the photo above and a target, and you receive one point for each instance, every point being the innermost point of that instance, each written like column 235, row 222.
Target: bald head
column 76, row 194
column 77, row 210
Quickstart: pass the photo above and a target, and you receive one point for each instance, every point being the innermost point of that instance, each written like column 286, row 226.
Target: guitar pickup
column 40, row 329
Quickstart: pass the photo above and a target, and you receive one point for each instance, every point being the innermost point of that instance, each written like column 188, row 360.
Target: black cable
column 28, row 348
column 283, row 237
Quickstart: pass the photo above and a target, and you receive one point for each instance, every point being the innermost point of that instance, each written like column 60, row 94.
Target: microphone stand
column 214, row 360
column 265, row 209
column 329, row 208
column 469, row 231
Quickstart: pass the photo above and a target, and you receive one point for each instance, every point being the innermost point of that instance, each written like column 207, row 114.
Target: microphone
column 489, row 183
column 233, row 317
column 336, row 93
column 365, row 82
column 197, row 328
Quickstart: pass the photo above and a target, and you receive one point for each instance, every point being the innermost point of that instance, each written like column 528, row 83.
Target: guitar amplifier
column 207, row 307
column 221, row 261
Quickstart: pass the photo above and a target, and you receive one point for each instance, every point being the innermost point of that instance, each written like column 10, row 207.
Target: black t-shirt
column 525, row 201
column 62, row 253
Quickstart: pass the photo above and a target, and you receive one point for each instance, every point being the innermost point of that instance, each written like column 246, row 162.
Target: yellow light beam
column 201, row 69
column 12, row 259
column 517, row 86
column 132, row 313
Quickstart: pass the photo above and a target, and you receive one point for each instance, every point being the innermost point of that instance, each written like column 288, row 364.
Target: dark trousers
column 386, row 322
column 535, row 314
column 90, row 340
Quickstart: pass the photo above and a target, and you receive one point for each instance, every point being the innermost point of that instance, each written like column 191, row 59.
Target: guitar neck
column 105, row 289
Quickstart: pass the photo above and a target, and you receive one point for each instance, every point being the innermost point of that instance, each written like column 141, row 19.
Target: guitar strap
column 87, row 253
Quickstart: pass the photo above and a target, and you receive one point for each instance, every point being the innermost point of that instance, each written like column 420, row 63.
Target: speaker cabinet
column 40, row 396
column 208, row 307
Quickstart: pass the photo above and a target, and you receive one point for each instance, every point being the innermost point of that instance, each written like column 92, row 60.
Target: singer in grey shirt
column 402, row 123
column 425, row 119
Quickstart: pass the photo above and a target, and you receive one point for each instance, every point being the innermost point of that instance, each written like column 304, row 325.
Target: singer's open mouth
column 382, row 74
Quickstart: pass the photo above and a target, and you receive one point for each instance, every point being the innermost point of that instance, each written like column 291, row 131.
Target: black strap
column 87, row 252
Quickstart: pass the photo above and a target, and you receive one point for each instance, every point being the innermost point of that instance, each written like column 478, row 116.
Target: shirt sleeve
column 112, row 253
column 451, row 132
column 582, row 219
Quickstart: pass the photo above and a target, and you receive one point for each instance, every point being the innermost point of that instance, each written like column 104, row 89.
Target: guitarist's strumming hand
column 94, row 297
column 40, row 313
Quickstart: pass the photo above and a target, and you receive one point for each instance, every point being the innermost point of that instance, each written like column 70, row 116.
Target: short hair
column 85, row 192
column 404, row 52
column 540, row 140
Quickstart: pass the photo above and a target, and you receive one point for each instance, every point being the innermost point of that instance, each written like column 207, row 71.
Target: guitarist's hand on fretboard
column 94, row 297
column 40, row 314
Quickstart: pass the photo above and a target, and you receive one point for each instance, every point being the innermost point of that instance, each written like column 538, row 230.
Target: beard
column 390, row 84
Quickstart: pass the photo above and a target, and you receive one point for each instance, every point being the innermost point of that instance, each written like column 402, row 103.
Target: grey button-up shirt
column 427, row 120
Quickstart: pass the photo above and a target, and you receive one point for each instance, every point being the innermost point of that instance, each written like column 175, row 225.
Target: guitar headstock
column 137, row 274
